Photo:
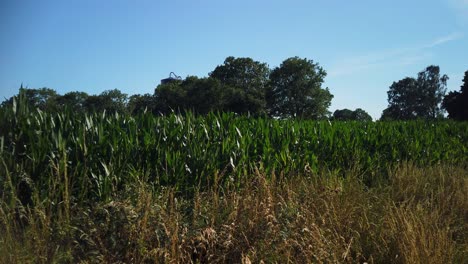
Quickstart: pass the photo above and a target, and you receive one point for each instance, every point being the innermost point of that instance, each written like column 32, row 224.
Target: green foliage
column 138, row 104
column 113, row 187
column 170, row 96
column 456, row 103
column 245, row 86
column 239, row 85
column 295, row 90
column 248, row 80
column 113, row 101
column 43, row 98
column 91, row 156
column 349, row 115
column 412, row 98
column 73, row 100
column 203, row 95
column 200, row 96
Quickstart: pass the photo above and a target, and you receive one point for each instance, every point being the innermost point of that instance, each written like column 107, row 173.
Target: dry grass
column 417, row 216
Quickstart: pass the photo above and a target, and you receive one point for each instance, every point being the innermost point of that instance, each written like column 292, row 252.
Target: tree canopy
column 414, row 98
column 138, row 103
column 349, row 115
column 456, row 103
column 73, row 100
column 109, row 100
column 247, row 81
column 296, row 90
column 245, row 86
column 42, row 98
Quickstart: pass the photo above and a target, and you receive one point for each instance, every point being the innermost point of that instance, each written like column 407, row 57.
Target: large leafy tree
column 199, row 95
column 204, row 95
column 433, row 86
column 402, row 98
column 349, row 115
column 296, row 90
column 72, row 100
column 361, row 115
column 115, row 100
column 456, row 103
column 109, row 100
column 170, row 97
column 42, row 98
column 421, row 97
column 343, row 115
column 138, row 103
column 248, row 80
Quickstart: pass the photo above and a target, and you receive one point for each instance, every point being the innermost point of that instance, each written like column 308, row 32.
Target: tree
column 456, row 103
column 200, row 95
column 94, row 103
column 343, row 115
column 433, row 88
column 138, row 103
column 203, row 95
column 72, row 100
column 109, row 100
column 295, row 90
column 114, row 100
column 349, row 115
column 248, row 80
column 402, row 98
column 43, row 98
column 170, row 97
column 412, row 98
column 361, row 115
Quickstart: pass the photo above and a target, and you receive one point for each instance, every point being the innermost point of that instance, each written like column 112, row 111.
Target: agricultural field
column 102, row 187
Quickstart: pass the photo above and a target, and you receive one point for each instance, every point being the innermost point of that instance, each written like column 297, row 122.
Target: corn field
column 90, row 157
column 107, row 188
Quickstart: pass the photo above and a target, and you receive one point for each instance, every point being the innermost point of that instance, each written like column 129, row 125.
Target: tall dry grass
column 418, row 215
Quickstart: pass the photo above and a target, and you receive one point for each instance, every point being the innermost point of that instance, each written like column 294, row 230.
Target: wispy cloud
column 410, row 60
column 396, row 57
column 371, row 60
column 445, row 39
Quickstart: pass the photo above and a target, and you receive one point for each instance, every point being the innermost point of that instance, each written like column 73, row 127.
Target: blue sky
column 96, row 45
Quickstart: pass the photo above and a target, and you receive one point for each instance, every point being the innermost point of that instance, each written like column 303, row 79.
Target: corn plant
column 64, row 158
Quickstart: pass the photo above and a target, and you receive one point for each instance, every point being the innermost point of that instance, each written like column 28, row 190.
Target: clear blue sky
column 96, row 45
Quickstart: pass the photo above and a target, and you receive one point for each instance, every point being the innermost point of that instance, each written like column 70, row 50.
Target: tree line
column 245, row 86
column 424, row 97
